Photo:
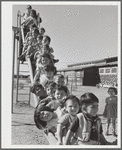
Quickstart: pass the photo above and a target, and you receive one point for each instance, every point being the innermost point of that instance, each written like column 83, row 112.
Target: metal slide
column 18, row 31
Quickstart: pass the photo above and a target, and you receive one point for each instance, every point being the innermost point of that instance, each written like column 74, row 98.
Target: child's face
column 46, row 116
column 49, row 74
column 41, row 31
column 111, row 92
column 60, row 94
column 51, row 91
column 39, row 91
column 59, row 81
column 45, row 61
column 72, row 107
column 34, row 34
column 92, row 109
column 38, row 40
column 45, row 49
column 45, row 41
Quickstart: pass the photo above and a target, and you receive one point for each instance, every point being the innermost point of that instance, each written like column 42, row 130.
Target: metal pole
column 18, row 61
column 13, row 69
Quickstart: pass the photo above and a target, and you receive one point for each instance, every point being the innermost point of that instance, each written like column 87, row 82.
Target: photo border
column 119, row 77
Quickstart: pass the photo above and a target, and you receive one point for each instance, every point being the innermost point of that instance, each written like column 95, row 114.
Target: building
column 90, row 73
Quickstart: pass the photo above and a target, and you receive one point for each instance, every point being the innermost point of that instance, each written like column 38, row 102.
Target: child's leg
column 114, row 126
column 108, row 124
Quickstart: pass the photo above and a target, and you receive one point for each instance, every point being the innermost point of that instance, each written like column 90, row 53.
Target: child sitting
column 110, row 111
column 45, row 118
column 72, row 106
column 27, row 12
column 41, row 31
column 29, row 47
column 45, row 75
column 86, row 129
column 59, row 80
column 50, row 89
column 42, row 61
column 31, row 20
column 60, row 94
column 39, row 91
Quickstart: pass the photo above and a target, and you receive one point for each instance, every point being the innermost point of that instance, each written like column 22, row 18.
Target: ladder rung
column 23, row 71
column 23, row 94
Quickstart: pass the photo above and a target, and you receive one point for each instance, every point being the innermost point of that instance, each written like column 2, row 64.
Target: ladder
column 21, row 83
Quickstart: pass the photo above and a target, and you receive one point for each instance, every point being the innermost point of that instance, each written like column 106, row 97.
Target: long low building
column 90, row 73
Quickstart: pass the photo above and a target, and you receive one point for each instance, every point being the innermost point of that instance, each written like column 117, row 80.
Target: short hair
column 45, row 55
column 88, row 98
column 51, row 84
column 29, row 7
column 39, row 123
column 34, row 12
column 113, row 88
column 42, row 29
column 63, row 88
column 59, row 76
column 73, row 98
column 40, row 37
column 36, row 30
column 47, row 37
column 33, row 88
column 50, row 68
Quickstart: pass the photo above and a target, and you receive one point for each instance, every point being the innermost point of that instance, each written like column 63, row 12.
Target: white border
column 6, row 113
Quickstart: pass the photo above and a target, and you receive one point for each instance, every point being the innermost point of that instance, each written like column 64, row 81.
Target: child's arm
column 59, row 134
column 68, row 137
column 37, row 75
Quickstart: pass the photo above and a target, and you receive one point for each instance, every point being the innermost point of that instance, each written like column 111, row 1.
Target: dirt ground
column 24, row 131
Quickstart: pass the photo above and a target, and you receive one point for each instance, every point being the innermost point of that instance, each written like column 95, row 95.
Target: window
column 113, row 70
column 101, row 70
column 107, row 70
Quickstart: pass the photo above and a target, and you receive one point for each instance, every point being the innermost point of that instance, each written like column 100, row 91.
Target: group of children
column 70, row 119
column 75, row 121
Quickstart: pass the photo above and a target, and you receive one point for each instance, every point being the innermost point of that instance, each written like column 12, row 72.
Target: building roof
column 106, row 60
column 104, row 64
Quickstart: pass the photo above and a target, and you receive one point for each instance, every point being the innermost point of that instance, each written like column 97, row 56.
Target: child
column 45, row 75
column 110, row 111
column 60, row 94
column 39, row 91
column 42, row 61
column 45, row 118
column 59, row 80
column 41, row 31
column 50, row 89
column 27, row 12
column 86, row 129
column 46, row 41
column 72, row 106
column 31, row 20
column 29, row 45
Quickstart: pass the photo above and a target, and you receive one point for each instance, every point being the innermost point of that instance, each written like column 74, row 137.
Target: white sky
column 78, row 32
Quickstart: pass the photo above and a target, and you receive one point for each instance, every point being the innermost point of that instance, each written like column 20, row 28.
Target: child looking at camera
column 44, row 75
column 86, row 129
column 110, row 111
column 50, row 89
column 59, row 80
column 72, row 106
column 60, row 94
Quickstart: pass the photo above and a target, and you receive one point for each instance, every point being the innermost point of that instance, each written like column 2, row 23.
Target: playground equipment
column 18, row 40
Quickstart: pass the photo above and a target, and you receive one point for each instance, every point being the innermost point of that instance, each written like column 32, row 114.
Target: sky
column 79, row 33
